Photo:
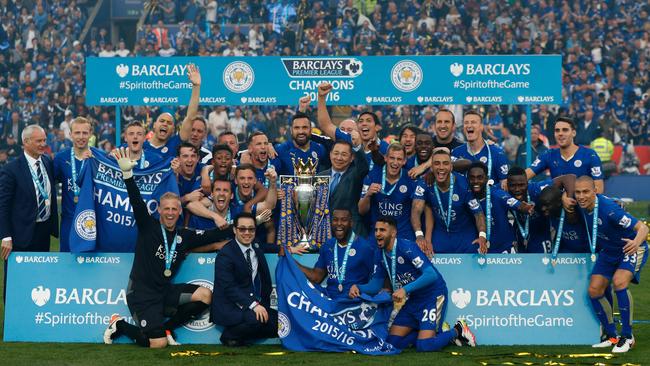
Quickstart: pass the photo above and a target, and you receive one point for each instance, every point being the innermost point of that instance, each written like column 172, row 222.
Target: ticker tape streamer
column 211, row 354
column 513, row 359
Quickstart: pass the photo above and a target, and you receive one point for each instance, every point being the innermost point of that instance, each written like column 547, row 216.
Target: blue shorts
column 607, row 264
column 423, row 314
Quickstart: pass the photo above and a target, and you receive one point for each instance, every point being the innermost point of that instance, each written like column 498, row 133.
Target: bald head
column 585, row 192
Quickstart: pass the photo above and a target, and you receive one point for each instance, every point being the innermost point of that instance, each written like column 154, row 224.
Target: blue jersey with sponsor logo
column 63, row 174
column 168, row 150
column 187, row 185
column 499, row 159
column 397, row 204
column 412, row 162
column 409, row 265
column 288, row 151
column 574, row 237
column 539, row 235
column 502, row 234
column 614, row 224
column 583, row 162
column 202, row 223
column 359, row 267
column 259, row 172
column 462, row 228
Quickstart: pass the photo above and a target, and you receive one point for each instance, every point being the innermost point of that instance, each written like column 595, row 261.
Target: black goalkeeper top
column 147, row 274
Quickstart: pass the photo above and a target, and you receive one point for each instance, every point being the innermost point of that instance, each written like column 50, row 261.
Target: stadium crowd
column 604, row 47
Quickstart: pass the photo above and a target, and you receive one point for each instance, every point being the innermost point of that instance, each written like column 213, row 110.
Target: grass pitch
column 98, row 354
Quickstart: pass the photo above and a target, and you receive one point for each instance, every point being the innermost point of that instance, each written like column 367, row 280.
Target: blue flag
column 310, row 321
column 103, row 220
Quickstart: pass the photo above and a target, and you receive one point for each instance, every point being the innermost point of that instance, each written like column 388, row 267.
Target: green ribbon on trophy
column 304, row 213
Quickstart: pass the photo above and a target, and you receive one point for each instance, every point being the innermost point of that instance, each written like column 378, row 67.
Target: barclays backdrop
column 356, row 80
column 507, row 299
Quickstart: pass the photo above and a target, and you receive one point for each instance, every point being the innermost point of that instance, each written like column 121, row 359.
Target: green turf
column 95, row 354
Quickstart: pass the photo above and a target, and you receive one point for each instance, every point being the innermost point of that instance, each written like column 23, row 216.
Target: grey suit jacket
column 347, row 193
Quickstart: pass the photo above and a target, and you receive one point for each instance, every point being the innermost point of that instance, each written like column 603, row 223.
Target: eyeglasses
column 246, row 229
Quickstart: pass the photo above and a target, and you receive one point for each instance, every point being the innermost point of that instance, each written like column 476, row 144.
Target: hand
column 356, row 138
column 7, row 245
column 263, row 217
column 374, row 188
column 416, row 171
column 280, row 194
column 354, row 292
column 324, row 89
column 373, row 146
column 399, row 295
column 86, row 154
column 195, row 195
column 271, row 152
column 303, row 103
column 300, row 250
column 482, row 244
column 260, row 313
column 176, row 165
column 193, row 74
column 568, row 203
column 126, row 164
column 504, row 185
column 245, row 157
column 425, row 246
column 271, row 174
column 526, row 207
column 630, row 247
column 220, row 222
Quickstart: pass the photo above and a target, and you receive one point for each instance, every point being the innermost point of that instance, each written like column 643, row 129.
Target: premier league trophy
column 304, row 215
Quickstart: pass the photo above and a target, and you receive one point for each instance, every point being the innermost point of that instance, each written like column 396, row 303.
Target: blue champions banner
column 356, row 80
column 310, row 321
column 103, row 220
column 507, row 299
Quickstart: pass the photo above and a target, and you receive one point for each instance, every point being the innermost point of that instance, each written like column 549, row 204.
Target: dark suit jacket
column 233, row 287
column 584, row 136
column 348, row 192
column 18, row 204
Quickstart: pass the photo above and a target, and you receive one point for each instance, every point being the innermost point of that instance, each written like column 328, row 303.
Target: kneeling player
column 159, row 252
column 622, row 253
column 417, row 287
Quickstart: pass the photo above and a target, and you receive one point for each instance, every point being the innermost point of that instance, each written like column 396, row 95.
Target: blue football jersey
column 499, row 159
column 168, row 150
column 502, row 233
column 539, row 234
column 614, row 224
column 584, row 162
column 288, row 151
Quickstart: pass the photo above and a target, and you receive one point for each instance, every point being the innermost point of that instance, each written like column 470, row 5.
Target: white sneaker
column 111, row 329
column 170, row 339
column 606, row 342
column 624, row 344
column 466, row 334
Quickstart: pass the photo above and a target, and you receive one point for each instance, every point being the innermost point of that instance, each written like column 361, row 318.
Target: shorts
column 149, row 313
column 423, row 314
column 607, row 264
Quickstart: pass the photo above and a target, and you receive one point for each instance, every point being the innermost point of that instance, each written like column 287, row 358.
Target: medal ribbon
column 393, row 260
column 489, row 152
column 340, row 270
column 558, row 236
column 446, row 215
column 40, row 186
column 169, row 254
column 594, row 228
column 488, row 210
column 142, row 160
column 383, row 182
column 75, row 187
column 525, row 229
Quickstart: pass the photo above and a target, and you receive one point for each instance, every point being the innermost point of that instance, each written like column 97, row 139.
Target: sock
column 184, row 313
column 132, row 332
column 435, row 343
column 603, row 311
column 609, row 295
column 625, row 303
column 401, row 342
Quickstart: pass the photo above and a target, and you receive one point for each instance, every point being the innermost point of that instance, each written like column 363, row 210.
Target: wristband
column 419, row 233
column 482, row 234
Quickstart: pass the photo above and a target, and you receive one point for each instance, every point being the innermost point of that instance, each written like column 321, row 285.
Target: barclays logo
column 456, row 69
column 122, row 70
column 40, row 295
column 461, row 298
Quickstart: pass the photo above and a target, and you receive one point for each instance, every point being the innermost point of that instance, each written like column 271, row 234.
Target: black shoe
column 232, row 343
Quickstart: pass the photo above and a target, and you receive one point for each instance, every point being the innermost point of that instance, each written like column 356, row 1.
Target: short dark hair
column 200, row 118
column 343, row 142
column 241, row 167
column 408, row 127
column 214, row 183
column 480, row 165
column 226, row 133
column 300, row 115
column 135, row 124
column 256, row 133
column 243, row 215
column 371, row 114
column 453, row 117
column 516, row 171
column 473, row 112
column 188, row 145
column 565, row 119
column 396, row 146
column 220, row 147
column 389, row 220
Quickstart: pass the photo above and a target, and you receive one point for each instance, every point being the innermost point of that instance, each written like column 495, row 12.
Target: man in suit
column 349, row 168
column 28, row 208
column 241, row 300
column 588, row 129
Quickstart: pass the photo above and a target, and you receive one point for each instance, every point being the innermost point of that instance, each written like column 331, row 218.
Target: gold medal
column 47, row 202
column 593, row 258
column 168, row 273
column 340, row 287
column 397, row 305
column 76, row 199
column 554, row 262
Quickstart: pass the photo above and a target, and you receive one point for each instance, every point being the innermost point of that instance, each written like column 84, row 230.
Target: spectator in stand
column 510, row 144
column 238, row 124
column 588, row 129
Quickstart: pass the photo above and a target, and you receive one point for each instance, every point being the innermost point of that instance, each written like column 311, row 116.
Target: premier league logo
column 406, row 75
column 357, row 317
column 238, row 76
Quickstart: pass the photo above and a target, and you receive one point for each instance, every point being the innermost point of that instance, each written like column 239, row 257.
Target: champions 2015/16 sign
column 355, row 80
column 507, row 299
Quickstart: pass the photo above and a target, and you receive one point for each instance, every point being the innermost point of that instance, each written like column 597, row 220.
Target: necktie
column 335, row 182
column 42, row 208
column 248, row 260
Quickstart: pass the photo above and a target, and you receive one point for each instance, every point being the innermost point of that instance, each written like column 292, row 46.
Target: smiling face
column 134, row 137
column 444, row 125
column 477, row 179
column 473, row 127
column 199, row 132
column 441, row 166
column 564, row 134
column 408, row 140
column 221, row 195
column 188, row 160
column 163, row 128
column 341, row 157
column 301, row 131
column 341, row 224
column 518, row 187
column 222, row 163
column 259, row 148
column 245, row 182
column 585, row 193
column 423, row 146
column 80, row 132
column 367, row 128
column 35, row 144
column 245, row 230
column 384, row 234
column 169, row 211
column 395, row 160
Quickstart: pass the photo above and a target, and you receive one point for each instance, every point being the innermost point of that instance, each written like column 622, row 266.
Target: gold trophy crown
column 304, row 168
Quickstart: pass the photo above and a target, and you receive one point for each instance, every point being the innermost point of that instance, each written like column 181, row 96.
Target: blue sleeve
column 457, row 154
column 506, row 198
column 420, row 190
column 428, row 277
column 541, row 163
column 340, row 135
column 321, row 262
column 618, row 217
column 472, row 203
column 501, row 164
column 596, row 167
column 374, row 285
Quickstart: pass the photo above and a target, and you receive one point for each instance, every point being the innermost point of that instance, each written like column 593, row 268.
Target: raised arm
column 272, row 194
column 324, row 120
column 140, row 212
column 195, row 77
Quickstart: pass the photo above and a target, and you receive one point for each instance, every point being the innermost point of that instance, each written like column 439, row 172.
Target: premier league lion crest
column 358, row 317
